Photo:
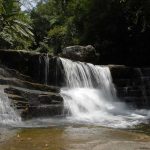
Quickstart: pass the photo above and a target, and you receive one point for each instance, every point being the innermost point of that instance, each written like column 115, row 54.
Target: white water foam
column 8, row 116
column 90, row 97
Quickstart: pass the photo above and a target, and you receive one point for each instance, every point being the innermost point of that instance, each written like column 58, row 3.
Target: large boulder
column 80, row 53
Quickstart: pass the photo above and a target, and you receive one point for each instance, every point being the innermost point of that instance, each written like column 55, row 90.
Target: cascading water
column 8, row 116
column 46, row 59
column 90, row 97
column 44, row 67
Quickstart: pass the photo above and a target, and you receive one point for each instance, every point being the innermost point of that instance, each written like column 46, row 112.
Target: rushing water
column 90, row 101
column 8, row 116
column 90, row 97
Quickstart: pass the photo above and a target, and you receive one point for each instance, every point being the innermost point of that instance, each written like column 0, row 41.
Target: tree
column 59, row 23
column 116, row 27
column 15, row 31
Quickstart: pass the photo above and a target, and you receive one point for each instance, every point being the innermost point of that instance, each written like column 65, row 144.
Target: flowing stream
column 90, row 97
column 8, row 116
column 90, row 102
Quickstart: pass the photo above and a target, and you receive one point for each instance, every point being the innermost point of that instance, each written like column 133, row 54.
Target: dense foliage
column 112, row 26
column 15, row 31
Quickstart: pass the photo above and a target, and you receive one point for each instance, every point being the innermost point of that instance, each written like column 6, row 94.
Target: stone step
column 35, row 103
column 141, row 102
column 145, row 71
column 46, row 110
column 123, row 93
column 19, row 105
column 118, row 71
column 131, row 88
column 18, row 90
column 134, row 98
column 28, row 97
column 53, row 99
column 29, row 85
column 16, row 98
column 132, row 92
column 139, row 81
column 7, row 72
column 122, row 82
column 35, row 97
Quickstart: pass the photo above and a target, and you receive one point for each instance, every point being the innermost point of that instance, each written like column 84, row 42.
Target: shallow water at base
column 90, row 106
column 75, row 138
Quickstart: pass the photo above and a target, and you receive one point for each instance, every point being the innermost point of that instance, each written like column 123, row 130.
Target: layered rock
column 133, row 85
column 32, row 64
column 30, row 99
column 39, row 71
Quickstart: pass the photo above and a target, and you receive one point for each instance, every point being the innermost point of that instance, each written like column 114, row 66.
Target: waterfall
column 8, row 116
column 44, row 67
column 90, row 96
column 46, row 59
column 85, row 75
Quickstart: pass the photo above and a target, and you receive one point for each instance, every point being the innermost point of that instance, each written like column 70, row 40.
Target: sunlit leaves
column 14, row 25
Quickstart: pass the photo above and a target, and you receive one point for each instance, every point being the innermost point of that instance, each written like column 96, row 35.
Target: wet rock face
column 19, row 60
column 133, row 85
column 80, row 53
column 31, row 64
column 44, row 68
column 30, row 99
column 34, row 103
column 41, row 68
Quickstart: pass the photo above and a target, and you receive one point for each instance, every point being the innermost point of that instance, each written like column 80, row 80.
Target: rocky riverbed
column 74, row 138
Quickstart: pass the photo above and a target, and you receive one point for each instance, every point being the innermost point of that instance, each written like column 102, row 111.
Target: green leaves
column 15, row 28
column 54, row 24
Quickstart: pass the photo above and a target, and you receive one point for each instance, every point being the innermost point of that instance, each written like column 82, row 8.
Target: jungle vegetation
column 111, row 26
